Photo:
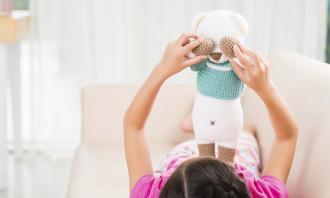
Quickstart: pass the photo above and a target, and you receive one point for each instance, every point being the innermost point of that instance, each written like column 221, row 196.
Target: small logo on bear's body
column 212, row 122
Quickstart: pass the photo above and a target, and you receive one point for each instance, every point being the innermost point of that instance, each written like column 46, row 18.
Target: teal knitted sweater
column 217, row 80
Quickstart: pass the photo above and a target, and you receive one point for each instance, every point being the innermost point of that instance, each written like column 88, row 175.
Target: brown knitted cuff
column 206, row 149
column 227, row 44
column 226, row 154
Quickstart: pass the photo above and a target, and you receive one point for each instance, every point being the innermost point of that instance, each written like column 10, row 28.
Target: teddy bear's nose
column 216, row 55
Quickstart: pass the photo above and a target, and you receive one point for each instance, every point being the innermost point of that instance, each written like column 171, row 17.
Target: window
column 6, row 6
column 21, row 4
column 328, row 36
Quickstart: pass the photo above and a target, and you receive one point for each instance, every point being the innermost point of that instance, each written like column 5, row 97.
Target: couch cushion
column 104, row 106
column 100, row 169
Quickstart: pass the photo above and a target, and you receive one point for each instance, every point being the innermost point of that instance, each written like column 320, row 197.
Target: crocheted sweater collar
column 223, row 64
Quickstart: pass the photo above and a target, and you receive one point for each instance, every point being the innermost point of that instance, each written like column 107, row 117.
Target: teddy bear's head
column 217, row 25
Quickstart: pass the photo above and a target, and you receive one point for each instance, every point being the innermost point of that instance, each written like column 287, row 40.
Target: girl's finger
column 239, row 71
column 194, row 60
column 264, row 61
column 184, row 38
column 193, row 44
column 242, row 58
column 254, row 56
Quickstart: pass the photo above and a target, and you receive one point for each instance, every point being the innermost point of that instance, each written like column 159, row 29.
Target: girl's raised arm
column 173, row 61
column 254, row 72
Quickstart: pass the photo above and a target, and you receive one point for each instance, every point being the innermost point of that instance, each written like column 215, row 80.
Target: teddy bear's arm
column 198, row 66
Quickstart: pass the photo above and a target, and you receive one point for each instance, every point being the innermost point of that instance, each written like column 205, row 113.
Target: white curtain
column 81, row 42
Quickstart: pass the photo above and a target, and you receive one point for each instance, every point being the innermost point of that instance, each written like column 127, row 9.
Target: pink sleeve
column 149, row 186
column 142, row 187
column 267, row 186
column 264, row 187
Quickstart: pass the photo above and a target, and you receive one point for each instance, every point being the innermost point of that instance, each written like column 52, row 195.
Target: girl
column 188, row 176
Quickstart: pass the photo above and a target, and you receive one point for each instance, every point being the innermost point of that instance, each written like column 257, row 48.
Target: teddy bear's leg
column 206, row 149
column 226, row 154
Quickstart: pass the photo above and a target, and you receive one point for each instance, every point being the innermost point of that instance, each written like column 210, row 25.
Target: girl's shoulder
column 265, row 186
column 151, row 185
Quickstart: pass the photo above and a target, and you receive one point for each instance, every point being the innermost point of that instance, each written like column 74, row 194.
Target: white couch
column 99, row 168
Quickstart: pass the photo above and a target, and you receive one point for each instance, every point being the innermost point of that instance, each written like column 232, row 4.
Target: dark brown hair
column 204, row 177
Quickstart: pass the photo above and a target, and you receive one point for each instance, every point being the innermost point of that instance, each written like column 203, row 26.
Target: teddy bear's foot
column 226, row 155
column 207, row 149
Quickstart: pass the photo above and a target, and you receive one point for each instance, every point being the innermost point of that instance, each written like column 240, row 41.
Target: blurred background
column 50, row 49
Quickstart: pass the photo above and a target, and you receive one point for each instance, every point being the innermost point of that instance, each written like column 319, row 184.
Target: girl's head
column 204, row 177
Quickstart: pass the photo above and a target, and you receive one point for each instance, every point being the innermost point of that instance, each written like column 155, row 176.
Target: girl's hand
column 175, row 58
column 252, row 70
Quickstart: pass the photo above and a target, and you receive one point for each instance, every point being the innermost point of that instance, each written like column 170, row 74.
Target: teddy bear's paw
column 226, row 45
column 205, row 47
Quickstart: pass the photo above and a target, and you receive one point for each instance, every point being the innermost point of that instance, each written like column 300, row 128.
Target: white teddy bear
column 217, row 114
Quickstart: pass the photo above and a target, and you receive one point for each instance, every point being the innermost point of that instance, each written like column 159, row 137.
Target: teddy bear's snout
column 216, row 55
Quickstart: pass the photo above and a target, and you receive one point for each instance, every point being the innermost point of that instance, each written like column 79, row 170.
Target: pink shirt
column 150, row 186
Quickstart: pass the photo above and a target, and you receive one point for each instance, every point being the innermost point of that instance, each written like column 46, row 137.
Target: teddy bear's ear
column 197, row 20
column 241, row 21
